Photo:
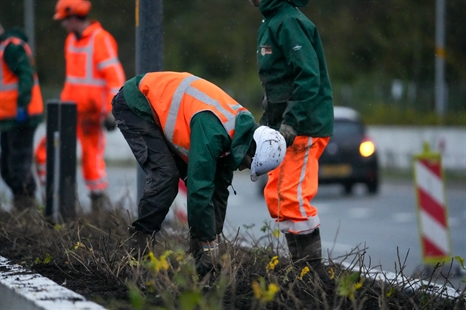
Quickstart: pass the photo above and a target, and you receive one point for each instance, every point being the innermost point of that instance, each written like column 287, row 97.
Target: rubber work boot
column 139, row 243
column 100, row 201
column 205, row 257
column 306, row 250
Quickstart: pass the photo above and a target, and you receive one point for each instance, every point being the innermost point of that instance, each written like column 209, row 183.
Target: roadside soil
column 89, row 257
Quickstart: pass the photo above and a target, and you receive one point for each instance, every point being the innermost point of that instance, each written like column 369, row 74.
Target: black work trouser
column 16, row 160
column 162, row 167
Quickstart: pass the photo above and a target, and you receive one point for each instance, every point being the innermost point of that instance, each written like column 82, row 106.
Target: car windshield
column 345, row 130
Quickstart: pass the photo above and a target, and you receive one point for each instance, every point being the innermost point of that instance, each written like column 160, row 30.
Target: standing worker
column 93, row 76
column 21, row 111
column 298, row 103
column 181, row 126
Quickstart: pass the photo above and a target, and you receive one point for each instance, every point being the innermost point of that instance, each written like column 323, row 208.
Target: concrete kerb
column 24, row 290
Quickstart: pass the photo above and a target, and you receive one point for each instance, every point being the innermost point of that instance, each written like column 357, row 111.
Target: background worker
column 21, row 110
column 297, row 102
column 93, row 76
column 181, row 126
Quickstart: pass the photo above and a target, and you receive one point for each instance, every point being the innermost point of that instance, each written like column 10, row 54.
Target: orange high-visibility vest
column 176, row 97
column 9, row 86
column 93, row 71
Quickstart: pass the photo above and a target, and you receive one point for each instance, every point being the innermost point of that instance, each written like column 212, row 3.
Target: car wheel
column 348, row 187
column 373, row 187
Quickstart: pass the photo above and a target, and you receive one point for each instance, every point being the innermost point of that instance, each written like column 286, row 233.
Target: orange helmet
column 65, row 8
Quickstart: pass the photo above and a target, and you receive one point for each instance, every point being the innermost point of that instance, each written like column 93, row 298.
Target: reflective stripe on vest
column 3, row 85
column 185, row 88
column 88, row 50
column 9, row 90
column 12, row 85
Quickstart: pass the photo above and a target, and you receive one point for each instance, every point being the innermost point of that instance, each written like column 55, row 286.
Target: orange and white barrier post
column 432, row 208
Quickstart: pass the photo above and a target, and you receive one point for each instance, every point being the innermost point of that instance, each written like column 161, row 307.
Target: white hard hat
column 270, row 151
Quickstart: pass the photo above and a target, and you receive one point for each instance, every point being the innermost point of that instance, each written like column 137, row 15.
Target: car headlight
column 366, row 148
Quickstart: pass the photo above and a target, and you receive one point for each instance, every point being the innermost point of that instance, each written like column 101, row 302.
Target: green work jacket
column 19, row 63
column 213, row 156
column 293, row 71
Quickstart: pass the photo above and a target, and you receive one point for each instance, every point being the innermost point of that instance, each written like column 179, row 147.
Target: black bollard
column 60, row 189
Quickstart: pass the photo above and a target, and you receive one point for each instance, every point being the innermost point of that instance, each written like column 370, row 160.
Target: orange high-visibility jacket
column 9, row 86
column 93, row 72
column 176, row 97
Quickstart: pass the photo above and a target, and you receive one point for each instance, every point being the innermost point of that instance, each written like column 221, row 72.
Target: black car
column 350, row 156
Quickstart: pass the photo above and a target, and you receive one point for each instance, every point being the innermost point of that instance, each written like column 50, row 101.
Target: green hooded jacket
column 293, row 71
column 19, row 63
column 209, row 172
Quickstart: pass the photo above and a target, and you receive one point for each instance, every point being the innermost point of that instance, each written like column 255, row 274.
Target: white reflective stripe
column 114, row 90
column 5, row 86
column 301, row 178
column 10, row 86
column 85, row 81
column 299, row 228
column 13, row 85
column 88, row 78
column 181, row 150
column 201, row 96
column 170, row 123
column 107, row 63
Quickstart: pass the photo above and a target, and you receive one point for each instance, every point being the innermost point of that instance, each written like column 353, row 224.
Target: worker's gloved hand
column 289, row 133
column 109, row 122
column 21, row 115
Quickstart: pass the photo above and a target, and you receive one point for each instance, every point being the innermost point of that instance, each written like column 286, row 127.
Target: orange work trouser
column 293, row 184
column 92, row 139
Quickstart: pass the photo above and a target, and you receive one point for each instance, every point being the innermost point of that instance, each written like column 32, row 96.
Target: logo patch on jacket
column 266, row 50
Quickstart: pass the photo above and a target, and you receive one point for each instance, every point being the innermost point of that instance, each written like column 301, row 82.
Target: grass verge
column 88, row 256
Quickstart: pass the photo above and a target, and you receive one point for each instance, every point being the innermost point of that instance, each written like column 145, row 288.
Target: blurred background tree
column 380, row 54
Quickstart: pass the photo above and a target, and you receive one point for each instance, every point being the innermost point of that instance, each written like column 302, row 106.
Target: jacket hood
column 16, row 32
column 244, row 130
column 269, row 6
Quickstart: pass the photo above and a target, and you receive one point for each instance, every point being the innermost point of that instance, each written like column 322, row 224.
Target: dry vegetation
column 88, row 256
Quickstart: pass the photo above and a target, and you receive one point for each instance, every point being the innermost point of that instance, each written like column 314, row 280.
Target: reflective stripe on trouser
column 92, row 139
column 293, row 184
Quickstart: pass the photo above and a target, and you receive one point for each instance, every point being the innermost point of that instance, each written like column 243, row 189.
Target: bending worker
column 181, row 126
column 93, row 76
column 21, row 110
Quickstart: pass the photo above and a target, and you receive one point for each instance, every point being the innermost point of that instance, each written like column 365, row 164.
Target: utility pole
column 440, row 87
column 149, row 51
column 29, row 18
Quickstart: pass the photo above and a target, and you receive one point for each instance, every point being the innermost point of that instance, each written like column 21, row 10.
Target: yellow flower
column 156, row 264
column 256, row 288
column 276, row 233
column 390, row 291
column 262, row 293
column 79, row 245
column 331, row 273
column 303, row 272
column 357, row 285
column 273, row 263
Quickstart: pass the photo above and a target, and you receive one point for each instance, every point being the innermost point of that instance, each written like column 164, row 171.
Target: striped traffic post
column 432, row 208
